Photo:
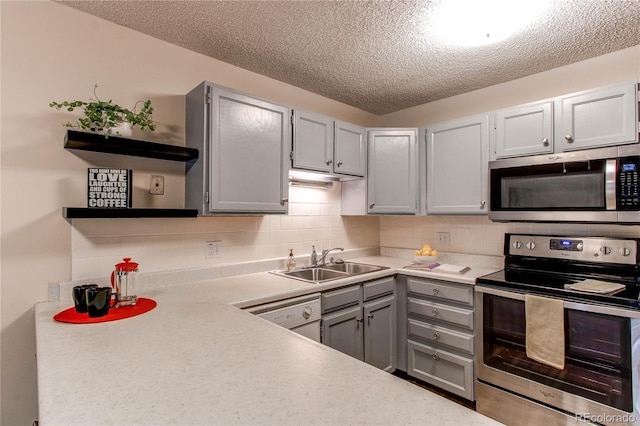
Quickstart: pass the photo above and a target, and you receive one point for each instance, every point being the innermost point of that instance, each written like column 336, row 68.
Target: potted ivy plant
column 107, row 117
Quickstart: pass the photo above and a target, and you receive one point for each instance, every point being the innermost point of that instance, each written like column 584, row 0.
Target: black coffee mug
column 99, row 301
column 80, row 297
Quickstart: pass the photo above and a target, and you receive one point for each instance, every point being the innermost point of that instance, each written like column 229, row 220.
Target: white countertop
column 196, row 359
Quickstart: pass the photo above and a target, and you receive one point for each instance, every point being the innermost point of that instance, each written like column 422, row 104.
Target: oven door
column 601, row 372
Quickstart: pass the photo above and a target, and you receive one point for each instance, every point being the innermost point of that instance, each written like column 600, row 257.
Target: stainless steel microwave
column 596, row 185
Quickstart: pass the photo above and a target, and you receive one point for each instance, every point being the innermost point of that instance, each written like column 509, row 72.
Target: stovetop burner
column 544, row 265
column 545, row 284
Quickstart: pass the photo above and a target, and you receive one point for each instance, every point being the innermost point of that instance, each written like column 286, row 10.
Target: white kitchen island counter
column 196, row 359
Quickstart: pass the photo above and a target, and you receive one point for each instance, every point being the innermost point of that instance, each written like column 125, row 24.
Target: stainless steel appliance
column 600, row 379
column 596, row 185
column 299, row 314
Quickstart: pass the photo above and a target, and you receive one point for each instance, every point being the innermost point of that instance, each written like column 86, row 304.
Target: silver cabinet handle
column 436, row 290
column 545, row 142
column 284, row 200
column 483, row 204
column 371, row 205
column 436, row 356
column 339, row 163
column 436, row 336
column 369, row 316
column 358, row 321
column 569, row 138
column 329, row 162
column 435, row 313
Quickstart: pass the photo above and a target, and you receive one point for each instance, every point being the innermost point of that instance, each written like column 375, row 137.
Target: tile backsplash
column 166, row 244
column 479, row 235
column 313, row 219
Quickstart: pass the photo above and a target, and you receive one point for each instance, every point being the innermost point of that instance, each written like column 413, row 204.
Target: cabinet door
column 457, row 166
column 349, row 149
column 380, row 333
column 392, row 169
column 312, row 141
column 602, row 117
column 249, row 154
column 523, row 130
column 343, row 331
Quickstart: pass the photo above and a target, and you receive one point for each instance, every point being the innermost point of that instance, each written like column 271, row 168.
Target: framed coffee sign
column 109, row 188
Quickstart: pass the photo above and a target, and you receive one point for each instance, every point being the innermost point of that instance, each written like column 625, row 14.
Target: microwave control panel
column 627, row 197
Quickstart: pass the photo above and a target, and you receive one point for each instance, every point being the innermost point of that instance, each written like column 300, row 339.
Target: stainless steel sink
column 352, row 268
column 315, row 274
column 329, row 272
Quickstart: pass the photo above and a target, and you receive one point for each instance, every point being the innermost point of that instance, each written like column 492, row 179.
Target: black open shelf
column 100, row 213
column 85, row 141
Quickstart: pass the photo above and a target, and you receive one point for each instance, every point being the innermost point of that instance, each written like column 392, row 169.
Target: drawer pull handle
column 436, row 356
column 435, row 313
column 436, row 336
column 358, row 321
column 436, row 290
column 369, row 316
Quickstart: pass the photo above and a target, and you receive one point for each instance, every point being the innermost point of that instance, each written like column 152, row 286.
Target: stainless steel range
column 559, row 332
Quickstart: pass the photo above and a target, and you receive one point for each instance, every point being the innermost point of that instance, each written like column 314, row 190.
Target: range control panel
column 589, row 249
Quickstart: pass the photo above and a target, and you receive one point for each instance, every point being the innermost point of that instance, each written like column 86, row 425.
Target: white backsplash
column 313, row 219
column 170, row 244
column 479, row 235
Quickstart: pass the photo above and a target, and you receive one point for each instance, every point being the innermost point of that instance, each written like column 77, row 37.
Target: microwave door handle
column 611, row 169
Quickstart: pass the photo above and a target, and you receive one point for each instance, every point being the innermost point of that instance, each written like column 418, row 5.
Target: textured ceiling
column 379, row 56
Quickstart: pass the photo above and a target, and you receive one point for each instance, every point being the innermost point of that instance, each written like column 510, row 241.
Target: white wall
column 52, row 52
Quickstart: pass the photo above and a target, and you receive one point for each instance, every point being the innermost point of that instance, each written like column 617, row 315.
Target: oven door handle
column 585, row 307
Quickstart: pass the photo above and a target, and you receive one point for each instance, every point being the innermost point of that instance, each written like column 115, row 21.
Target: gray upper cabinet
column 523, row 130
column 350, row 149
column 312, row 142
column 601, row 117
column 244, row 143
column 392, row 171
column 457, row 166
column 322, row 144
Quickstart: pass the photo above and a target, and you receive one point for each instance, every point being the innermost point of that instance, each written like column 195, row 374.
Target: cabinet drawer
column 451, row 314
column 441, row 290
column 340, row 298
column 445, row 370
column 378, row 288
column 442, row 335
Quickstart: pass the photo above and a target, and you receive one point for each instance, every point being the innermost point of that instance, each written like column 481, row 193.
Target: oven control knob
column 517, row 245
column 605, row 250
column 625, row 251
column 530, row 245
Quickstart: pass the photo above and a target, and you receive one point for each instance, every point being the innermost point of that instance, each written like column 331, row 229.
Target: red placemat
column 115, row 314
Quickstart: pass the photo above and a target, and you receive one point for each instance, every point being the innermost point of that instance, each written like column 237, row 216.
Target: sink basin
column 352, row 268
column 329, row 272
column 315, row 274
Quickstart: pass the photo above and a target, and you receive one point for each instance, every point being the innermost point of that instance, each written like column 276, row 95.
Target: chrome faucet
column 325, row 252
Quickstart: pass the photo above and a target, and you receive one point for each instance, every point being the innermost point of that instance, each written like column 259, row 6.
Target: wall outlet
column 156, row 186
column 213, row 249
column 443, row 239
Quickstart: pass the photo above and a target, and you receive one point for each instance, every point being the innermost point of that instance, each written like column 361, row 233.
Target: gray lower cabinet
column 360, row 321
column 440, row 334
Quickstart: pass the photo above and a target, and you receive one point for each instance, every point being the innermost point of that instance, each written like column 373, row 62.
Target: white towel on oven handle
column 544, row 318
